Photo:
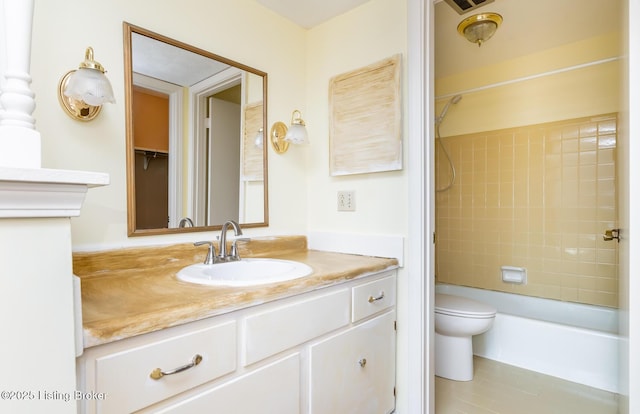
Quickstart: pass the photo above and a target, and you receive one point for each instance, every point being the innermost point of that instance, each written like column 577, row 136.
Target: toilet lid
column 459, row 306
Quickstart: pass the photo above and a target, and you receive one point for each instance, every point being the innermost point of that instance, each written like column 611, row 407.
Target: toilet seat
column 462, row 307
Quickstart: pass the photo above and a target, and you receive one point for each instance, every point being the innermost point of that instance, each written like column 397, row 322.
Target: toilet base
column 454, row 357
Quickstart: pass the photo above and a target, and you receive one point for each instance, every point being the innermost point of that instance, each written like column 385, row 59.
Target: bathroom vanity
column 324, row 343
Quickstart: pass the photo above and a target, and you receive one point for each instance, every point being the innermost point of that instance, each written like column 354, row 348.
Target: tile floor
column 504, row 389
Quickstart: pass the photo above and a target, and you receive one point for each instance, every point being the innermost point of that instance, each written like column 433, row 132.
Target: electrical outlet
column 346, row 201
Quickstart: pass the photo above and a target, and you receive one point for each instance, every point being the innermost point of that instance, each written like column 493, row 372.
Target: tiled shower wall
column 538, row 197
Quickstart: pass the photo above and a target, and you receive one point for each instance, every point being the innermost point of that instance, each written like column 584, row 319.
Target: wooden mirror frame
column 128, row 30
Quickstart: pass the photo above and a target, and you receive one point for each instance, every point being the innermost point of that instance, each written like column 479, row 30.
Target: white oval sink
column 245, row 272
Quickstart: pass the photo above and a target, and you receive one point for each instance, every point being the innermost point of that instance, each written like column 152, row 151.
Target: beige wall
column 241, row 30
column 366, row 35
column 299, row 64
column 491, row 102
column 527, row 194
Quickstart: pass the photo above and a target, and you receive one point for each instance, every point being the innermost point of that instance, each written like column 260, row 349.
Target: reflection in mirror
column 195, row 153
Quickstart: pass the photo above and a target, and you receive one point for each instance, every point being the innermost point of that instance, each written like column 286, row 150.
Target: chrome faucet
column 211, row 254
column 224, row 257
column 185, row 222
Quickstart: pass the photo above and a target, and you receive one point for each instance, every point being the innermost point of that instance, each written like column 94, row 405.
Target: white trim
column 364, row 244
column 175, row 141
column 198, row 125
column 242, row 183
column 420, row 377
column 20, row 142
column 629, row 215
column 530, row 77
column 45, row 193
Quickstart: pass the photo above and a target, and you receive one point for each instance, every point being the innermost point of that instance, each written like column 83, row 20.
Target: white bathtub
column 572, row 341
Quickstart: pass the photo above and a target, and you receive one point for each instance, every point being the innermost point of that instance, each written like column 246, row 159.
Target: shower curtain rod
column 526, row 78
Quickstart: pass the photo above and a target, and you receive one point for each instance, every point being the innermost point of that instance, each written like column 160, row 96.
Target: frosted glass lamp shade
column 480, row 27
column 90, row 86
column 297, row 133
column 259, row 139
column 82, row 92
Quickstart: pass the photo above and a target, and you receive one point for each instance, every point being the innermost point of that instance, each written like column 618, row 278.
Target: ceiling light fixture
column 480, row 27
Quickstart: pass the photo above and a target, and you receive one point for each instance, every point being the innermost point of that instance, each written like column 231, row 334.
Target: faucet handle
column 211, row 255
column 234, row 256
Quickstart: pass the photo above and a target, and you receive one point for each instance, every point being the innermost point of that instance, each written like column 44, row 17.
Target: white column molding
column 45, row 193
column 20, row 144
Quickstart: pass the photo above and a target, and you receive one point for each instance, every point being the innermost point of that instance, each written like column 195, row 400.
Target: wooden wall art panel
column 365, row 119
column 253, row 165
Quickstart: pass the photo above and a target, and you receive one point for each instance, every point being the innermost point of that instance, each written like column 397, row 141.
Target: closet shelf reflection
column 150, row 155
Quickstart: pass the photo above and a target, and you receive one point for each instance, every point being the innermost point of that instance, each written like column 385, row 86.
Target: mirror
column 196, row 155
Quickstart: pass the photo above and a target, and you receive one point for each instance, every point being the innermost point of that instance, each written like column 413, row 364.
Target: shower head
column 454, row 100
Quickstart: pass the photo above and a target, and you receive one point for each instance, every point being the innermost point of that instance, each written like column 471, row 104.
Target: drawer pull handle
column 158, row 373
column 377, row 298
column 362, row 362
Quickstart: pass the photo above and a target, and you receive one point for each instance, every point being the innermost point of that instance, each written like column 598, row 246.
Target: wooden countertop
column 135, row 291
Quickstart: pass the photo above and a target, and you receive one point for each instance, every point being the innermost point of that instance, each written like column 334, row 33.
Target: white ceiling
column 529, row 26
column 160, row 60
column 309, row 13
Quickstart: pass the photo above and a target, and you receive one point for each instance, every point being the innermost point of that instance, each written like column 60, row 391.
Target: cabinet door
column 354, row 371
column 274, row 388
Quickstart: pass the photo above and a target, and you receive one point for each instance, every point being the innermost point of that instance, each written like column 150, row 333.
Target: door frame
column 175, row 141
column 629, row 208
column 421, row 209
column 198, row 124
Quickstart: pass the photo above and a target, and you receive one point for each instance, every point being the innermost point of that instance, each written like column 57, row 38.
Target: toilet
column 457, row 319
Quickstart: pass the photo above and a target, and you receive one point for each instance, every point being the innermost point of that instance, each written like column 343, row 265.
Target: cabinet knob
column 362, row 362
column 158, row 373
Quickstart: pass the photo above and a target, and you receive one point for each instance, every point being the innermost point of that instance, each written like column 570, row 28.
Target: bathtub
column 572, row 341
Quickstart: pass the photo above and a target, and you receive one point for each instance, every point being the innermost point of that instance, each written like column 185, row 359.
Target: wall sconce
column 281, row 136
column 480, row 27
column 258, row 141
column 82, row 92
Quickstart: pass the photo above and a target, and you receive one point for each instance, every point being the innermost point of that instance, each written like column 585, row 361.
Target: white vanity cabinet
column 353, row 371
column 273, row 388
column 331, row 350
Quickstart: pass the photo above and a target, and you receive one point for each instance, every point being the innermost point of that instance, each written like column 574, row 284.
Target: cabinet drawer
column 279, row 329
column 274, row 388
column 372, row 297
column 125, row 376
